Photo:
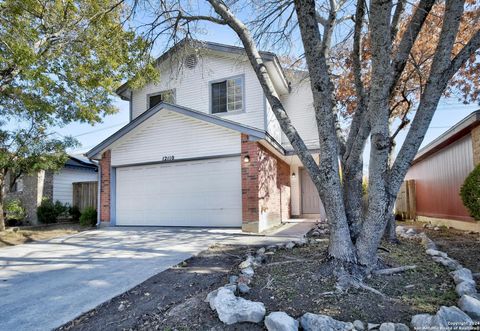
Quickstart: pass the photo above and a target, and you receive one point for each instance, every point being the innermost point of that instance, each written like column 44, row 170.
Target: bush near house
column 14, row 212
column 470, row 193
column 74, row 213
column 49, row 212
column 88, row 217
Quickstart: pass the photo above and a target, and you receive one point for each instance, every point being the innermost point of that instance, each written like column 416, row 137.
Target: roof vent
column 191, row 61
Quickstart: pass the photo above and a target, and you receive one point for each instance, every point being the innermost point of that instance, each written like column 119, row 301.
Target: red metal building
column 439, row 170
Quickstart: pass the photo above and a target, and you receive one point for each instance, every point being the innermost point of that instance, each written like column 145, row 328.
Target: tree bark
column 330, row 188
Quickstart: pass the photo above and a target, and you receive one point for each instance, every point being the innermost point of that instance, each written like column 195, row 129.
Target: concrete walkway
column 46, row 284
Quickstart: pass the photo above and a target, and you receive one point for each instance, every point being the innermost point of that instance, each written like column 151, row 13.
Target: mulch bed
column 295, row 281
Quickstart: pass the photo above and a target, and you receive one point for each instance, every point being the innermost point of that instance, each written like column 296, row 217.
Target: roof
column 80, row 161
column 266, row 56
column 253, row 132
column 451, row 135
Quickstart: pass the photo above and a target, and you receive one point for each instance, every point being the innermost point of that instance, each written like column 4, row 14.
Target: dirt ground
column 12, row 237
column 295, row 281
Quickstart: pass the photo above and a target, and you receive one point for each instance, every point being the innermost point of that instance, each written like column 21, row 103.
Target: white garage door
column 198, row 193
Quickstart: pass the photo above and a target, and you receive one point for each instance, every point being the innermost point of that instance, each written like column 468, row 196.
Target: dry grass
column 17, row 236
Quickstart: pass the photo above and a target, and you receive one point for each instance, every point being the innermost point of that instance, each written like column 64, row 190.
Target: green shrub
column 14, row 212
column 88, row 217
column 470, row 193
column 74, row 213
column 46, row 212
column 49, row 212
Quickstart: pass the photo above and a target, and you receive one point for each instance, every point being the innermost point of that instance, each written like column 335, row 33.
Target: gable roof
column 212, row 46
column 456, row 132
column 79, row 161
column 253, row 132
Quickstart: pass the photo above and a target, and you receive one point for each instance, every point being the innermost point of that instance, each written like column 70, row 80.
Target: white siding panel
column 62, row 182
column 168, row 133
column 299, row 106
column 192, row 87
column 199, row 193
column 273, row 127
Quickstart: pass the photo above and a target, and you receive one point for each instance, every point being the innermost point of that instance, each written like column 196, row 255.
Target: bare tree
column 387, row 82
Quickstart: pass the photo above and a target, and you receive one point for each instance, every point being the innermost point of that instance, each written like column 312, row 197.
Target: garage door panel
column 199, row 193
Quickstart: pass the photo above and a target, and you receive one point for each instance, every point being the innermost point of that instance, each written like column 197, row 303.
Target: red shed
column 439, row 170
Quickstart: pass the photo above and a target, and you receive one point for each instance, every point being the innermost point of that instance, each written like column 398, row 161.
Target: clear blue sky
column 449, row 112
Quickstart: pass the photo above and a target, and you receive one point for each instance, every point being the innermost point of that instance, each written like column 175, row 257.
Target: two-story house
column 203, row 147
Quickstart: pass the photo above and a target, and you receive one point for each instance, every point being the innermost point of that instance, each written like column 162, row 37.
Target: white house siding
column 171, row 134
column 192, row 87
column 299, row 106
column 273, row 127
column 62, row 182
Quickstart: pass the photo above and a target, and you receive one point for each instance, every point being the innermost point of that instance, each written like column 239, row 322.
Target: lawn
column 21, row 235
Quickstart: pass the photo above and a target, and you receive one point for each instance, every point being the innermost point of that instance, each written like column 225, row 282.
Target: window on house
column 166, row 96
column 227, row 96
column 17, row 186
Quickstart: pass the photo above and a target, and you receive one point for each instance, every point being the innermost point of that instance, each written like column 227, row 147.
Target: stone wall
column 265, row 188
column 35, row 188
column 476, row 145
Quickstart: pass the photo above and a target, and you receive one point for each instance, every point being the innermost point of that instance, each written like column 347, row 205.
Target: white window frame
column 241, row 78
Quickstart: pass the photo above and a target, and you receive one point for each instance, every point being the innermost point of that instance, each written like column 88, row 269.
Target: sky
column 449, row 111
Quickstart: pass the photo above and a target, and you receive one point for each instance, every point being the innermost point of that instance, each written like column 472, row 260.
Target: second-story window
column 156, row 98
column 227, row 95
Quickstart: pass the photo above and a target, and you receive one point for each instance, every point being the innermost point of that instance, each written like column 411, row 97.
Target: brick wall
column 265, row 188
column 105, row 163
column 476, row 145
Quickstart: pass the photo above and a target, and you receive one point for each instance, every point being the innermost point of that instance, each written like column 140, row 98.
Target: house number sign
column 168, row 158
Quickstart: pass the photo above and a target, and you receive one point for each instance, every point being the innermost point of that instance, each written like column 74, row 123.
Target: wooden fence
column 405, row 205
column 85, row 194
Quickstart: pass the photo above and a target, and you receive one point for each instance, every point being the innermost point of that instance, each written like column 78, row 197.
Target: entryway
column 311, row 202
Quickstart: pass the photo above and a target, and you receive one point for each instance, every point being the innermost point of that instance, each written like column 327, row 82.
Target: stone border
column 233, row 309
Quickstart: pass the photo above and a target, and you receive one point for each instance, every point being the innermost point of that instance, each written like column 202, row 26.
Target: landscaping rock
column 471, row 306
column 231, row 287
column 411, row 232
column 290, row 245
column 453, row 316
column 212, row 295
column 246, row 264
column 243, row 288
column 447, row 262
column 316, row 233
column 242, row 279
column 434, row 252
column 272, row 248
column 261, row 251
column 427, row 242
column 461, row 275
column 248, row 272
column 232, row 309
column 387, row 327
column 373, row 326
column 467, row 287
column 421, row 321
column 280, row 321
column 259, row 259
column 233, row 279
column 314, row 322
column 358, row 325
column 401, row 327
column 444, row 319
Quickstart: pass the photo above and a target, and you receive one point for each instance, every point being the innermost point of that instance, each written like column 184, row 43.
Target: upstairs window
column 227, row 95
column 156, row 98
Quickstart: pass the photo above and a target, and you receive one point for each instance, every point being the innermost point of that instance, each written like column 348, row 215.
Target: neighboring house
column 439, row 170
column 57, row 186
column 203, row 147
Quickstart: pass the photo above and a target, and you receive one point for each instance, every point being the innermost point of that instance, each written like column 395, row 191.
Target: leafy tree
column 60, row 61
column 470, row 193
column 389, row 58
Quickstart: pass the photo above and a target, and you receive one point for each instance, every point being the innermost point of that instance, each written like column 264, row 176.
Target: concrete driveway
column 44, row 285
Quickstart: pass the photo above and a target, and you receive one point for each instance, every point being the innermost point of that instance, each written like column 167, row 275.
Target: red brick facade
column 105, row 164
column 265, row 187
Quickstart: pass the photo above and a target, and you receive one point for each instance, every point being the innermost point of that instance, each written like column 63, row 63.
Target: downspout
column 99, row 221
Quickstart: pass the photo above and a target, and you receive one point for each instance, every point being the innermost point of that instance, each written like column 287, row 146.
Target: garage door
column 199, row 193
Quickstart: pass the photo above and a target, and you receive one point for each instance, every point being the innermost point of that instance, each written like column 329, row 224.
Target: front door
column 311, row 203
